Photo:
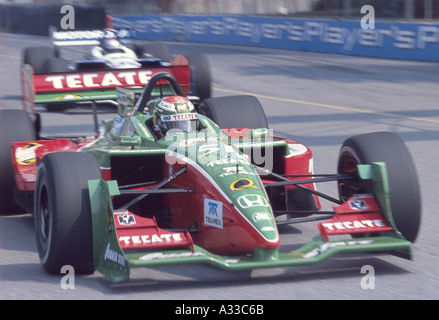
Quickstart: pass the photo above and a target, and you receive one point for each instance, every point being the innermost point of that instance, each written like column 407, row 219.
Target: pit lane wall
column 397, row 40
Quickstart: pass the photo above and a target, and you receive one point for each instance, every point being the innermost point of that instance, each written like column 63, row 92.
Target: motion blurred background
column 386, row 9
column 319, row 99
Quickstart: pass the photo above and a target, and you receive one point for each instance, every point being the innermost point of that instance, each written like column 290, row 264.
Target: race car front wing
column 367, row 218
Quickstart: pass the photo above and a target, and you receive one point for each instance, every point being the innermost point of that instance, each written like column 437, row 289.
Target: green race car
column 173, row 181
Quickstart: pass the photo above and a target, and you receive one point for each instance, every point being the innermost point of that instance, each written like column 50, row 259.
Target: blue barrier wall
column 388, row 40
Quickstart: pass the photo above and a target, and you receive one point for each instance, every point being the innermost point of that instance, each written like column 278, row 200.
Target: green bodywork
column 128, row 134
column 111, row 261
column 105, row 242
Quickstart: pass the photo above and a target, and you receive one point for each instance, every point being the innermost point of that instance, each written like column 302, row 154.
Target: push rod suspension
column 158, row 186
column 299, row 183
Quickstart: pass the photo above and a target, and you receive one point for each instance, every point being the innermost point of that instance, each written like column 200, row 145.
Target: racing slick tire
column 56, row 65
column 405, row 198
column 240, row 111
column 15, row 126
column 62, row 211
column 201, row 80
column 38, row 56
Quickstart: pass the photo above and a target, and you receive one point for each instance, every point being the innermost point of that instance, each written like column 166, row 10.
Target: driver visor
column 186, row 122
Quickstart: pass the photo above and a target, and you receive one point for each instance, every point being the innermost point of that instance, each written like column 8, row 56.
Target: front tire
column 405, row 198
column 201, row 79
column 62, row 211
column 240, row 111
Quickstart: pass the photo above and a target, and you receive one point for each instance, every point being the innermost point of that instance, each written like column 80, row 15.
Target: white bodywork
column 120, row 60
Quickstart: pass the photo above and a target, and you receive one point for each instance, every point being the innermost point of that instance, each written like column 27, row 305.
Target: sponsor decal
column 242, row 184
column 84, row 37
column 194, row 141
column 234, row 170
column 126, row 220
column 176, row 99
column 264, row 222
column 227, row 160
column 252, row 200
column 260, row 216
column 296, row 149
column 78, row 35
column 99, row 79
column 180, row 117
column 232, row 261
column 345, row 225
column 207, row 150
column 29, row 177
column 213, row 213
column 208, row 153
column 26, row 155
column 114, row 256
column 182, row 107
column 388, row 39
column 329, row 245
column 68, row 97
column 150, row 239
column 358, row 204
column 137, row 151
column 133, row 141
column 159, row 255
column 348, row 223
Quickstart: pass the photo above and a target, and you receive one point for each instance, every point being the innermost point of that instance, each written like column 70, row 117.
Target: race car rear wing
column 77, row 86
column 86, row 37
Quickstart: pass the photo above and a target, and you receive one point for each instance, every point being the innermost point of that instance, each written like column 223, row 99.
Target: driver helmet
column 111, row 44
column 175, row 112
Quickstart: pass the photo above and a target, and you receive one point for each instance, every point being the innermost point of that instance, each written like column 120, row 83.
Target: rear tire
column 201, row 80
column 235, row 112
column 38, row 56
column 15, row 126
column 405, row 198
column 57, row 65
column 62, row 211
column 157, row 49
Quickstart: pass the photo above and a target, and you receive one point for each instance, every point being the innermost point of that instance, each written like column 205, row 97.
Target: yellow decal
column 26, row 155
column 242, row 184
